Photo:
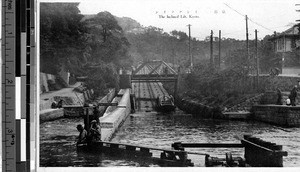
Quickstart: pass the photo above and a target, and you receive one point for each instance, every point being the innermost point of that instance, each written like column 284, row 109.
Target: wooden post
column 277, row 160
column 145, row 152
column 211, row 50
column 175, row 89
column 257, row 61
column 87, row 125
column 259, row 153
column 219, row 49
column 190, row 56
column 247, row 42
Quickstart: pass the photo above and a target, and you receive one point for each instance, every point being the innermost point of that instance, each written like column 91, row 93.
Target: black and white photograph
column 169, row 83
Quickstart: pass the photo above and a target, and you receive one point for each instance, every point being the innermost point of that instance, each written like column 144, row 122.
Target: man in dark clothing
column 293, row 96
column 54, row 105
column 59, row 104
column 82, row 134
column 95, row 131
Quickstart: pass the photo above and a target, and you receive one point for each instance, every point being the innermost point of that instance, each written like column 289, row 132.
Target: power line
column 234, row 10
column 248, row 18
column 229, row 33
column 260, row 25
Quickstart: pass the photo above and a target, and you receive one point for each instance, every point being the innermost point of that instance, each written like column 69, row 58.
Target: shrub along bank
column 208, row 91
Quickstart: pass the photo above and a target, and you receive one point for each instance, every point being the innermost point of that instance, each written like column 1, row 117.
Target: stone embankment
column 283, row 115
column 74, row 97
column 69, row 97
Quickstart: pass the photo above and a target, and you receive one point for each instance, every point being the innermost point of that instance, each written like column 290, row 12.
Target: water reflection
column 161, row 130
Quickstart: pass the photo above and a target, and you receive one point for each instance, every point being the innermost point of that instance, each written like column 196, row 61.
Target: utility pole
column 173, row 58
column 298, row 20
column 247, row 42
column 257, row 61
column 211, row 50
column 219, row 49
column 190, row 56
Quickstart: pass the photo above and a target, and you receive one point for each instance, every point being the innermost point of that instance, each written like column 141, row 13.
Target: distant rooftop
column 293, row 32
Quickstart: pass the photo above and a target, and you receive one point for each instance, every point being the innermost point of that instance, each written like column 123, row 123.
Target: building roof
column 293, row 32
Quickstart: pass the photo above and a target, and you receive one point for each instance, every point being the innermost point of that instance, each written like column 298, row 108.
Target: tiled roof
column 292, row 32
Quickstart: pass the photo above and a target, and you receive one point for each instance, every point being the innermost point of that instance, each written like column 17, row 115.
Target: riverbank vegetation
column 215, row 88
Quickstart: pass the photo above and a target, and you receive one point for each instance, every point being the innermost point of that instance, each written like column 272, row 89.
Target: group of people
column 291, row 101
column 92, row 135
column 56, row 105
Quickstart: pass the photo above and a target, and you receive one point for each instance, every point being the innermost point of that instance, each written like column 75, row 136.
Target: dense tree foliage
column 103, row 76
column 61, row 36
column 92, row 46
column 106, row 40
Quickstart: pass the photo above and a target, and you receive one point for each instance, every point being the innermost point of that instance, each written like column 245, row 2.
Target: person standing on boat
column 95, row 131
column 82, row 134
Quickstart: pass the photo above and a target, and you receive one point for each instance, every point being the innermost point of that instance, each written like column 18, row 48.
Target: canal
column 58, row 147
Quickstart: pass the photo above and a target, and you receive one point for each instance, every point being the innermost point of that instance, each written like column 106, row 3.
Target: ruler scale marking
column 18, row 98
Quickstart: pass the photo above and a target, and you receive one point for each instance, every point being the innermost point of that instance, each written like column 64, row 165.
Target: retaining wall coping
column 278, row 106
column 237, row 113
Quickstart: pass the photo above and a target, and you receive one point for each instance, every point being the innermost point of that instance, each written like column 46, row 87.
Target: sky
column 228, row 16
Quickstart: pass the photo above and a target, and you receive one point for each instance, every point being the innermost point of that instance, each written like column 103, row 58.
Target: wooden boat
column 165, row 103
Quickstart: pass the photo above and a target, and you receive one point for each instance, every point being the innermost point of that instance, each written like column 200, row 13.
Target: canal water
column 58, row 147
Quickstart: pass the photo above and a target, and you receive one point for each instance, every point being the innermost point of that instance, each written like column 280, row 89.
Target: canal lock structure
column 149, row 128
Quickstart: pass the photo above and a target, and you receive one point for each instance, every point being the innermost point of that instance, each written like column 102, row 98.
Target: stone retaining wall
column 51, row 114
column 276, row 114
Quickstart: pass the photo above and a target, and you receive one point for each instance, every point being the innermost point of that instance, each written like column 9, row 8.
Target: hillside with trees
column 85, row 46
column 152, row 43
